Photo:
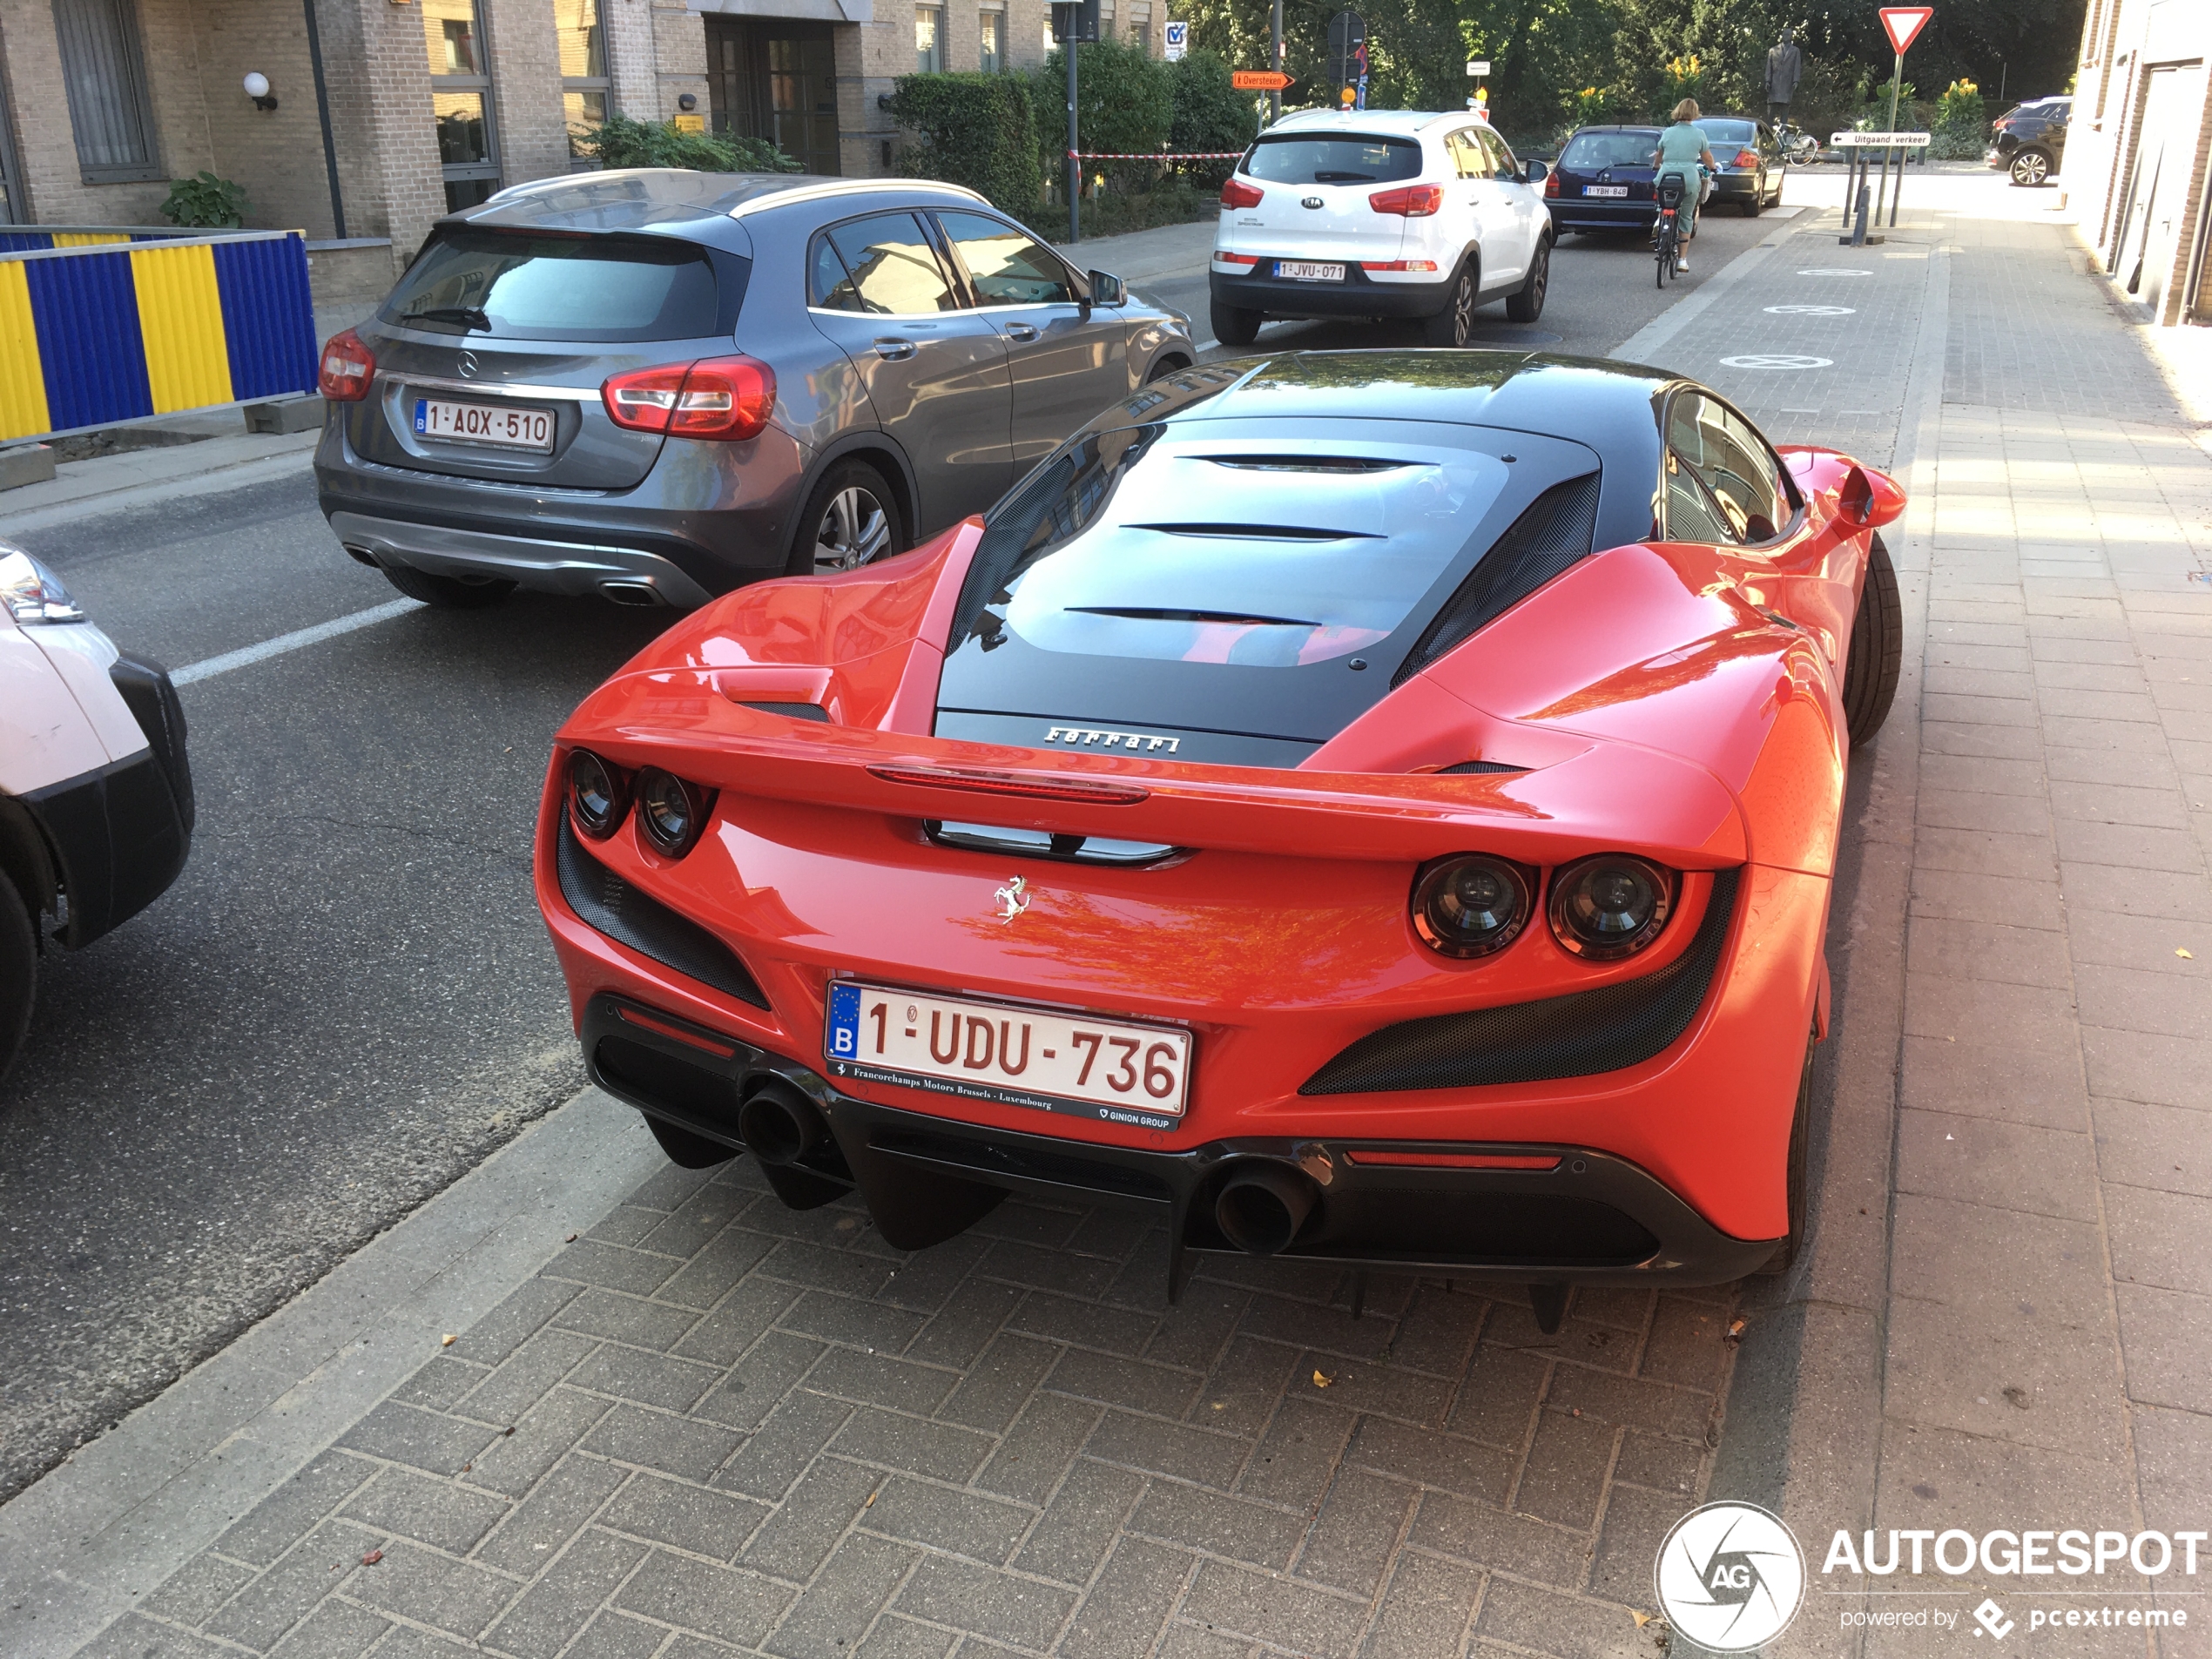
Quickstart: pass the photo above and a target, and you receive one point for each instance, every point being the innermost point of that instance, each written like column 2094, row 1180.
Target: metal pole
column 1275, row 94
column 1897, row 88
column 1074, row 166
column 322, row 110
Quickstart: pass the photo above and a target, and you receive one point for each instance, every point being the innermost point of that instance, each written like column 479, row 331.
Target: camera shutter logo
column 1730, row 1577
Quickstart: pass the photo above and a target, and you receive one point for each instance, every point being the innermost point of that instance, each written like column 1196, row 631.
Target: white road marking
column 1813, row 311
column 207, row 668
column 1835, row 270
column 1778, row 360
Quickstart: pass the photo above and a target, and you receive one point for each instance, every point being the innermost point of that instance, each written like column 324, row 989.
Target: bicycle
column 1666, row 235
column 1799, row 147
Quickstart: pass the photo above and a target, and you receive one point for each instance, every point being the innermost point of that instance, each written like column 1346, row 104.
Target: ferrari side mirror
column 1871, row 499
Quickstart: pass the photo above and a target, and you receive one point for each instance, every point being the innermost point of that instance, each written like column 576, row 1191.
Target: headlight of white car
column 32, row 592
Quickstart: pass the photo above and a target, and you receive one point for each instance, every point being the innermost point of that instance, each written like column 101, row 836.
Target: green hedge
column 972, row 130
column 624, row 142
column 1210, row 114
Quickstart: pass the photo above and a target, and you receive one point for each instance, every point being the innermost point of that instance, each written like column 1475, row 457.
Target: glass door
column 460, row 100
column 585, row 83
column 775, row 81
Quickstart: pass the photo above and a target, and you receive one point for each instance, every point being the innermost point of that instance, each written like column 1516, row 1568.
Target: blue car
column 1602, row 180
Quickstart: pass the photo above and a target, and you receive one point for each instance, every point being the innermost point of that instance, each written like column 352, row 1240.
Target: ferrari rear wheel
column 18, row 970
column 1233, row 325
column 1877, row 648
column 687, row 1151
column 1797, row 1182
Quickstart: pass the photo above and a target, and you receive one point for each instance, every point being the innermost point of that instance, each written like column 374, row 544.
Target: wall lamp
column 257, row 88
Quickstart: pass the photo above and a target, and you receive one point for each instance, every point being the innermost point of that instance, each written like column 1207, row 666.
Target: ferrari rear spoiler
column 1606, row 796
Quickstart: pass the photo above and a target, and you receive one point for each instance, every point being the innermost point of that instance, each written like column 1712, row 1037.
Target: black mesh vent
column 648, row 926
column 1483, row 765
column 793, row 710
column 1554, row 532
column 1576, row 1035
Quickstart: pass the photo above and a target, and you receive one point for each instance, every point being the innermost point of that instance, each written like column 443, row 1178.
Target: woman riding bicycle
column 1685, row 152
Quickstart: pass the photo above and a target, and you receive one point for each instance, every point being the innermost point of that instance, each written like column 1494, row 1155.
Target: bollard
column 1859, row 230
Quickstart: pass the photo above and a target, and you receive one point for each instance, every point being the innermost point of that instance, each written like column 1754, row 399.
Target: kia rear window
column 519, row 286
column 1594, row 151
column 1728, row 132
column 1337, row 159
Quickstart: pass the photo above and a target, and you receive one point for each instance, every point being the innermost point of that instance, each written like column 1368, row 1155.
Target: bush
column 1685, row 77
column 205, row 202
column 1210, row 114
column 1960, row 131
column 1124, row 104
column 972, row 130
column 623, row 141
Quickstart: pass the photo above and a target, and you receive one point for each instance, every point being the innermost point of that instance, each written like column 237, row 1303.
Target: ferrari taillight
column 599, row 794
column 716, row 397
column 1409, row 201
column 1237, row 194
column 348, row 367
column 1470, row 905
column 1609, row 906
column 671, row 810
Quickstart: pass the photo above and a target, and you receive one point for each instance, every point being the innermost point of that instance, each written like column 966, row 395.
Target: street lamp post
column 1275, row 96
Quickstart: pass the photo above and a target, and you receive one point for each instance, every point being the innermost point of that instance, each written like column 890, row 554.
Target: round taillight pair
column 671, row 812
column 1601, row 908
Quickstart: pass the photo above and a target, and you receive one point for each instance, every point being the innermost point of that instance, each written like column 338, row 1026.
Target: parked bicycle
column 1666, row 233
column 1799, row 147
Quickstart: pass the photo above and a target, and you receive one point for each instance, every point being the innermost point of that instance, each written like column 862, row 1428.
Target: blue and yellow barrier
column 94, row 332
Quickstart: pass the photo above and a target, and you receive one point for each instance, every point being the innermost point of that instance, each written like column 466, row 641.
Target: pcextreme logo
column 1730, row 1577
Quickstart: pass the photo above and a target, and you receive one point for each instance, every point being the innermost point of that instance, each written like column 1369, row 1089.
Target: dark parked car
column 2028, row 140
column 659, row 385
column 1602, row 178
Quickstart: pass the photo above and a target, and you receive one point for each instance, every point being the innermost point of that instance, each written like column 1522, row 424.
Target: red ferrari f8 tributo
column 1376, row 808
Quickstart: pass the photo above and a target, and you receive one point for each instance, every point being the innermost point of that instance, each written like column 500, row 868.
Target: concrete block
column 288, row 414
column 29, row 463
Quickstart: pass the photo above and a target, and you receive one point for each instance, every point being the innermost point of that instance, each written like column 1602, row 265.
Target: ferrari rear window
column 1182, row 548
column 1593, row 152
column 1333, row 159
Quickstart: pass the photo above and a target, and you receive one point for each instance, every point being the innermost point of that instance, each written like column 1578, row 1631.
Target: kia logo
column 1311, row 201
column 468, row 365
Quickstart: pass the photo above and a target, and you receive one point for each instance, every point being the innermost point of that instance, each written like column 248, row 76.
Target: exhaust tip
column 363, row 555
column 631, row 593
column 1263, row 1206
column 779, row 1125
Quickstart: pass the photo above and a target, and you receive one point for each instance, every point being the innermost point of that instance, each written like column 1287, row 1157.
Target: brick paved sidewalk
column 715, row 1422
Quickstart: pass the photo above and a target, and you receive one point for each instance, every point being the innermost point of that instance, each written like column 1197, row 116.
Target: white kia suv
column 1380, row 213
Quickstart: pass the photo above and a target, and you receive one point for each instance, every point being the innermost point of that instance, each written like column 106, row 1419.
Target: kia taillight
column 348, row 368
column 1409, row 201
column 1748, row 159
column 1237, row 194
column 716, row 397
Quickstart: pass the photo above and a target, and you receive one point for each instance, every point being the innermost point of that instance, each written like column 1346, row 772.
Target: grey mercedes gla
column 657, row 385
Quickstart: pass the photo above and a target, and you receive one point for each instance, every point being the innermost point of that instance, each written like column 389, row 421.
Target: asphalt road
column 347, row 999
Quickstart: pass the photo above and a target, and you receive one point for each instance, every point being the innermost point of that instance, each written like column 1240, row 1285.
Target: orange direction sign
column 1904, row 23
column 1258, row 80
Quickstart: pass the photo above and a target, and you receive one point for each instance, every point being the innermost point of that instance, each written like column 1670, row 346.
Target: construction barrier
column 138, row 323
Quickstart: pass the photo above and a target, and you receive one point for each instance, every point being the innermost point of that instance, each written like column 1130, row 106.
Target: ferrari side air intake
column 1263, row 1206
column 779, row 1126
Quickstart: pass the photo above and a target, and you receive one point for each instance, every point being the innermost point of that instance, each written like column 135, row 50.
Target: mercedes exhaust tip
column 779, row 1125
column 631, row 593
column 1263, row 1206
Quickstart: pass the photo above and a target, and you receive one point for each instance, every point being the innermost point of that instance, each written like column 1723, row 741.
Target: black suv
column 2029, row 140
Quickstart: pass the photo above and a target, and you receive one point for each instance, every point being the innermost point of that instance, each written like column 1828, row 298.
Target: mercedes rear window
column 1222, row 550
column 520, row 287
column 1728, row 132
column 1594, row 151
column 1333, row 159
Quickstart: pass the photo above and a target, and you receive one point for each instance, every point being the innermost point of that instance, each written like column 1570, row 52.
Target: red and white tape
column 1148, row 155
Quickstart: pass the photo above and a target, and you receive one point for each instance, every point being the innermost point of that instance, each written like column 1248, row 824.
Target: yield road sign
column 1904, row 23
column 1258, row 80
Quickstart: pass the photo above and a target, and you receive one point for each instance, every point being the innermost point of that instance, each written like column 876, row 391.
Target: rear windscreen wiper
column 467, row 316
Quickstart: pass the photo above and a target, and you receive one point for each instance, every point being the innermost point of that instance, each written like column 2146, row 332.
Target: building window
column 991, row 56
column 460, row 100
column 929, row 40
column 584, row 85
column 105, row 77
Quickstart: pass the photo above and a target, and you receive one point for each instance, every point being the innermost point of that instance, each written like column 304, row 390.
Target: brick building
column 382, row 114
column 2138, row 149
